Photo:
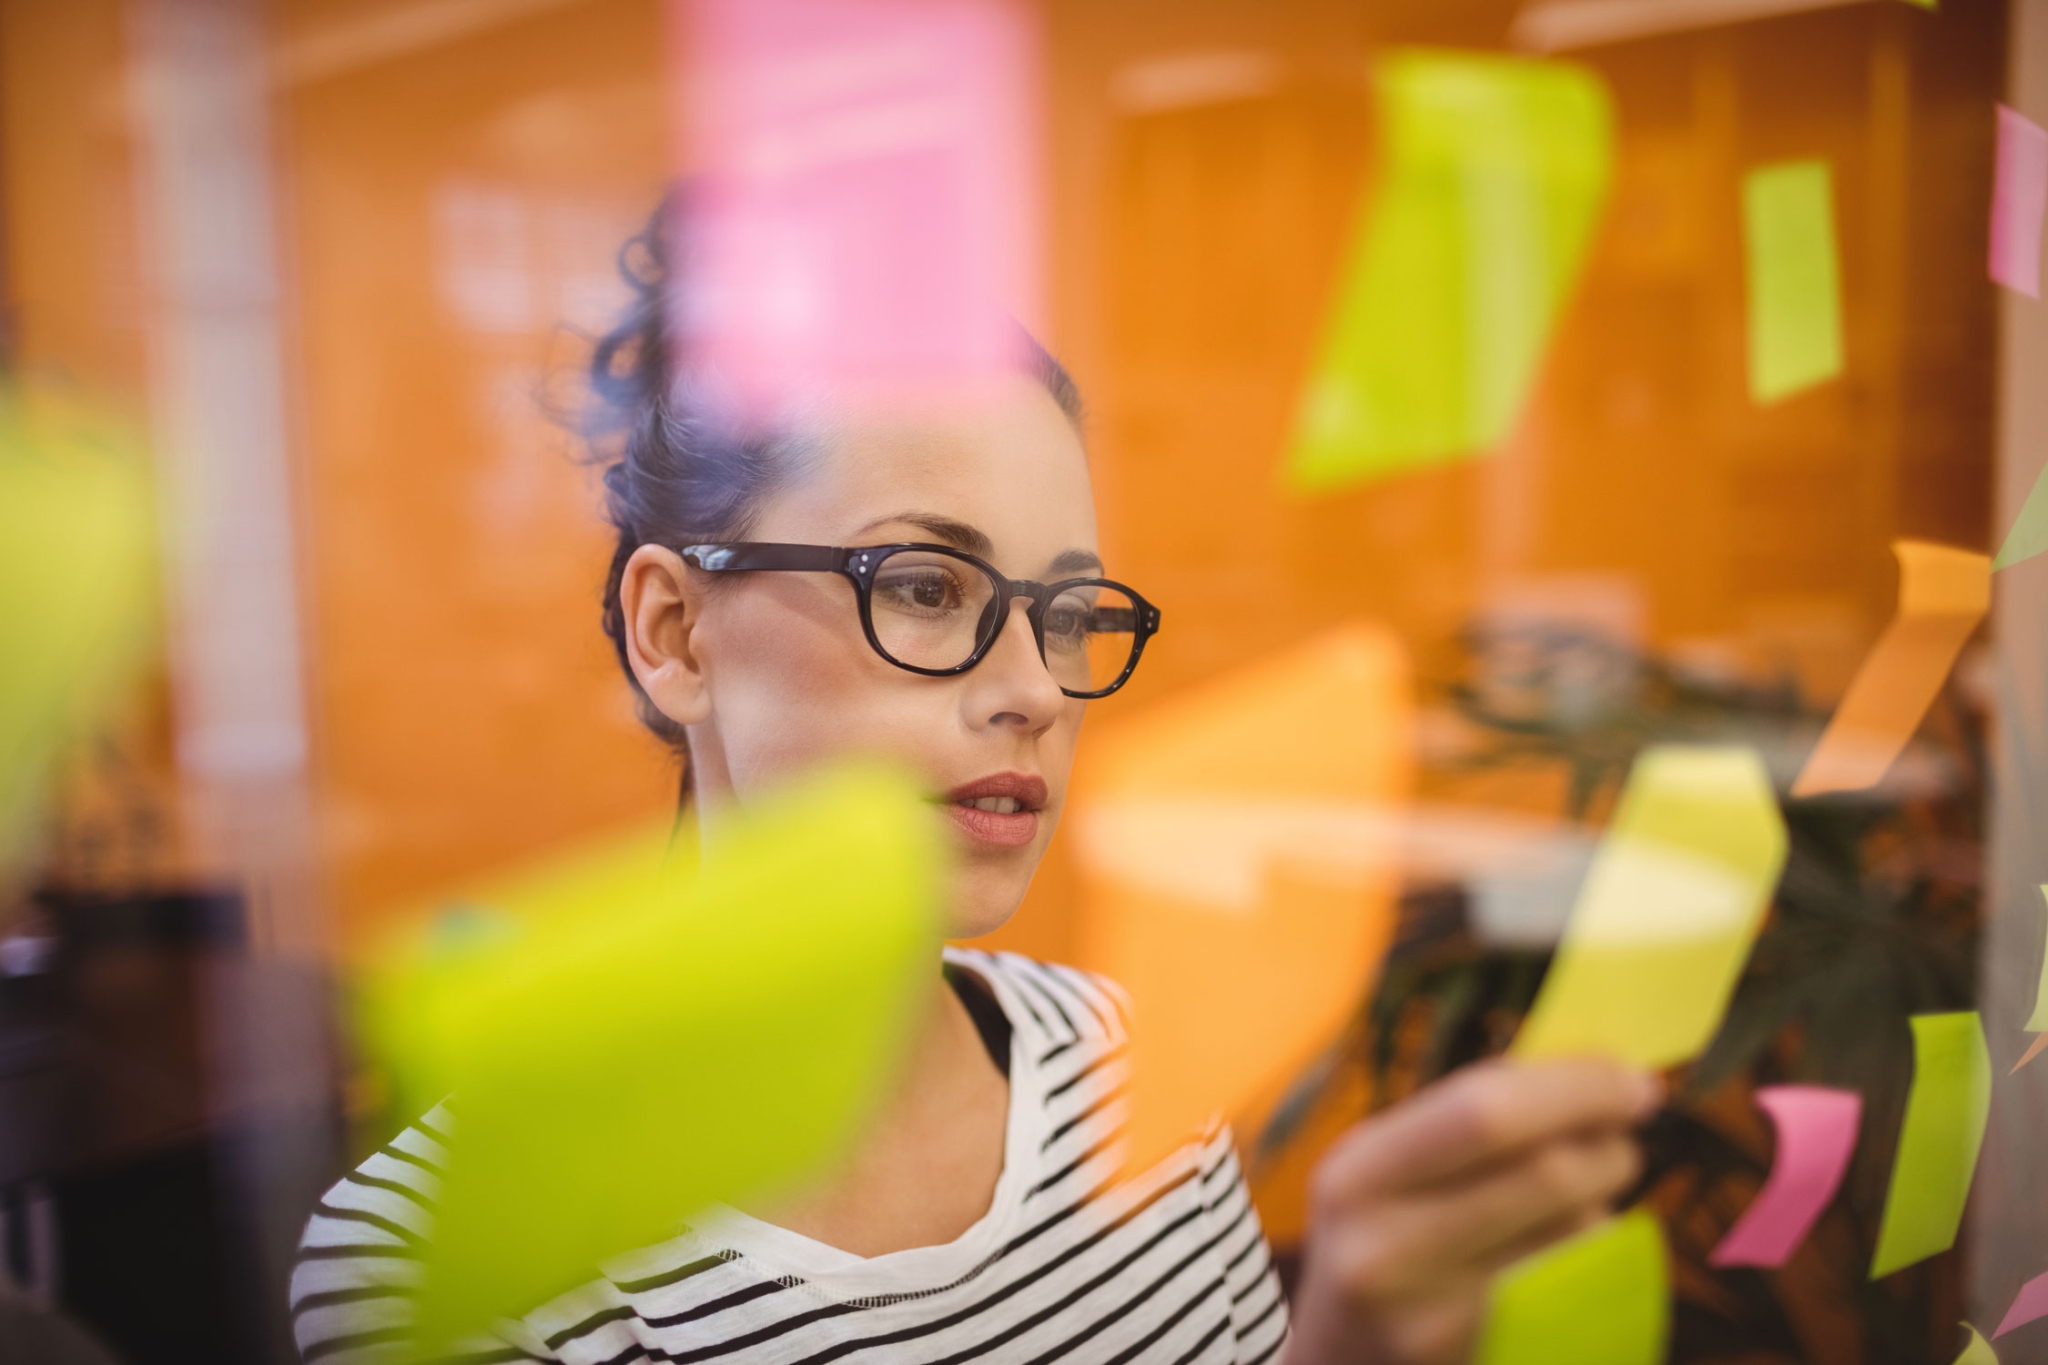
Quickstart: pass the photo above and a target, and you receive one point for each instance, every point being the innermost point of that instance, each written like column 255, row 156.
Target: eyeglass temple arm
column 758, row 555
column 1116, row 618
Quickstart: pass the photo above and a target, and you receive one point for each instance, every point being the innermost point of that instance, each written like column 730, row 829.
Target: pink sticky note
column 862, row 215
column 2030, row 1303
column 2018, row 203
column 1816, row 1136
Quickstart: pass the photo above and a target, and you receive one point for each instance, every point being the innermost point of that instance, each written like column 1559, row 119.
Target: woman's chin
column 982, row 900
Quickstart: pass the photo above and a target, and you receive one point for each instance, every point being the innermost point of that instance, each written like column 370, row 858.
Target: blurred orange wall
column 455, row 208
column 453, row 193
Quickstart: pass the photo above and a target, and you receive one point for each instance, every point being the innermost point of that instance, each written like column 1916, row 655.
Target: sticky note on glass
column 2029, row 1305
column 1943, row 594
column 2034, row 1049
column 2028, row 535
column 1816, row 1137
column 2037, row 1023
column 1600, row 1298
column 1236, row 877
column 654, row 1038
column 1666, row 916
column 77, row 587
column 1946, row 1111
column 2019, row 199
column 1976, row 1351
column 862, row 213
column 1794, row 279
column 1494, row 173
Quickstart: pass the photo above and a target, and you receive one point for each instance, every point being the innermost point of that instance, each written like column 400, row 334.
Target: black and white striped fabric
column 1070, row 1262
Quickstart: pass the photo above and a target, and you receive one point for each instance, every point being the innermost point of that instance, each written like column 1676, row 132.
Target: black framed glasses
column 938, row 611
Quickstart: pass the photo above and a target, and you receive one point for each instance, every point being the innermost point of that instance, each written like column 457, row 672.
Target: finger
column 1440, row 1331
column 1481, row 1116
column 1411, row 1246
column 1568, row 1181
column 1547, row 1236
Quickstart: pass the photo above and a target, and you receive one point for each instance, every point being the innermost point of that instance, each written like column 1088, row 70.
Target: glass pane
column 1487, row 430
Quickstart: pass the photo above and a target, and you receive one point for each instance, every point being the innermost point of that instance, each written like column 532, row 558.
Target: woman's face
column 771, row 673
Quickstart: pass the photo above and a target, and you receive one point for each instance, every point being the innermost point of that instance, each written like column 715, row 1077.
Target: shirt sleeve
column 358, row 1270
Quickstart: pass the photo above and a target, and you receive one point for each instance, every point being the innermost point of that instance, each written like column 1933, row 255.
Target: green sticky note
column 1976, row 1351
column 651, row 1038
column 2039, row 1022
column 1667, row 913
column 1600, row 1298
column 1795, row 286
column 1494, row 172
column 1946, row 1111
column 77, row 588
column 2029, row 533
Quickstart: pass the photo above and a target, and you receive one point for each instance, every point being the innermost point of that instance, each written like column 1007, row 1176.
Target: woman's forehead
column 1007, row 471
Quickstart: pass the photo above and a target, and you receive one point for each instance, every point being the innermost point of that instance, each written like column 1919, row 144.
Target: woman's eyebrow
column 975, row 541
column 945, row 530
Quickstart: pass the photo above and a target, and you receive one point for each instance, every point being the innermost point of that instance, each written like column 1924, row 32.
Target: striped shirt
column 1073, row 1260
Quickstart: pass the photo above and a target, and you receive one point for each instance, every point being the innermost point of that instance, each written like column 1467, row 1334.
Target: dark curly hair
column 673, row 476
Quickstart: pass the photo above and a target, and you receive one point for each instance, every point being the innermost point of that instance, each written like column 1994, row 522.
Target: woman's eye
column 926, row 591
column 1067, row 625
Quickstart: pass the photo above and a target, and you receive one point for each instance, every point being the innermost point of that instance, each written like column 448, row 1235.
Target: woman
column 764, row 627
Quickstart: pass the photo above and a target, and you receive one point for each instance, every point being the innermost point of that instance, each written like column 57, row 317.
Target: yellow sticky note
column 77, row 579
column 1794, row 281
column 1494, row 173
column 1946, row 1112
column 1600, row 1298
column 1665, row 919
column 2028, row 535
column 1976, row 1351
column 651, row 1038
column 1943, row 594
column 2038, row 1023
column 1237, row 878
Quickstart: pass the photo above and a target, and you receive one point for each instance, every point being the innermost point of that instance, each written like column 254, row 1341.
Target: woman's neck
column 926, row 1167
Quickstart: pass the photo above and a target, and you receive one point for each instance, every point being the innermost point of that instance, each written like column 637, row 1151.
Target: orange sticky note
column 1236, row 848
column 1943, row 594
column 2039, row 1045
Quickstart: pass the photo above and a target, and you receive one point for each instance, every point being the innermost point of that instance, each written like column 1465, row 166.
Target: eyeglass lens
column 933, row 611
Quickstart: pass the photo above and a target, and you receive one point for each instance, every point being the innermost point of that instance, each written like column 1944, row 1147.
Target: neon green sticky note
column 1494, row 172
column 650, row 1038
column 1795, row 286
column 1600, row 1298
column 1976, row 1351
column 2039, row 1022
column 2028, row 535
column 1666, row 915
column 1946, row 1111
column 77, row 587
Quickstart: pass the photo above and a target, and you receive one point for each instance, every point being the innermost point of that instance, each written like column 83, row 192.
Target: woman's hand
column 1412, row 1212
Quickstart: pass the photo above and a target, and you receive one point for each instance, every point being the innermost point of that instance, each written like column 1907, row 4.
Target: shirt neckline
column 841, row 1275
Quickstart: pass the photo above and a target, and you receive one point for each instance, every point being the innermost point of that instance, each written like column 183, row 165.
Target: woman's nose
column 1016, row 682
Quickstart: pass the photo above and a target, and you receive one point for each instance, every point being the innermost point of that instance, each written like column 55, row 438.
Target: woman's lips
column 994, row 827
column 1017, row 797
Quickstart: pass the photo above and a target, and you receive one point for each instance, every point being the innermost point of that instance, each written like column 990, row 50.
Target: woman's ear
column 660, row 603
